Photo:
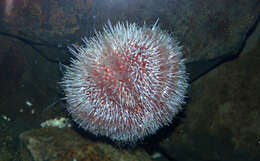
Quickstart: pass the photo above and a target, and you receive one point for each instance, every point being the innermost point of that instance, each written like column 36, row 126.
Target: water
column 220, row 42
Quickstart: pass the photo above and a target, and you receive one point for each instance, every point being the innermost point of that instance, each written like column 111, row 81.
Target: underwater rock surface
column 66, row 145
column 222, row 119
column 208, row 29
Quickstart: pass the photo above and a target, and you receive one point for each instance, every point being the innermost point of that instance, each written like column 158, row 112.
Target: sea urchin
column 126, row 82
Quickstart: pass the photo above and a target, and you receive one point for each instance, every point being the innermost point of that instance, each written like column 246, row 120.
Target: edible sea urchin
column 126, row 82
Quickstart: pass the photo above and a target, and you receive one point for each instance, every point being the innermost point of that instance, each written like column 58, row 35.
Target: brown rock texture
column 55, row 144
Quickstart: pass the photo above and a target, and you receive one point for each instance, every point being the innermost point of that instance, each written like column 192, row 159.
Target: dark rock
column 209, row 30
column 55, row 144
column 223, row 117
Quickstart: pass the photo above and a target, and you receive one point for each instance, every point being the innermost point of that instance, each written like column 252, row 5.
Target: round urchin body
column 126, row 82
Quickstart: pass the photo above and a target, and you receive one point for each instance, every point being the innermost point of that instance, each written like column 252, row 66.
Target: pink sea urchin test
column 126, row 82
